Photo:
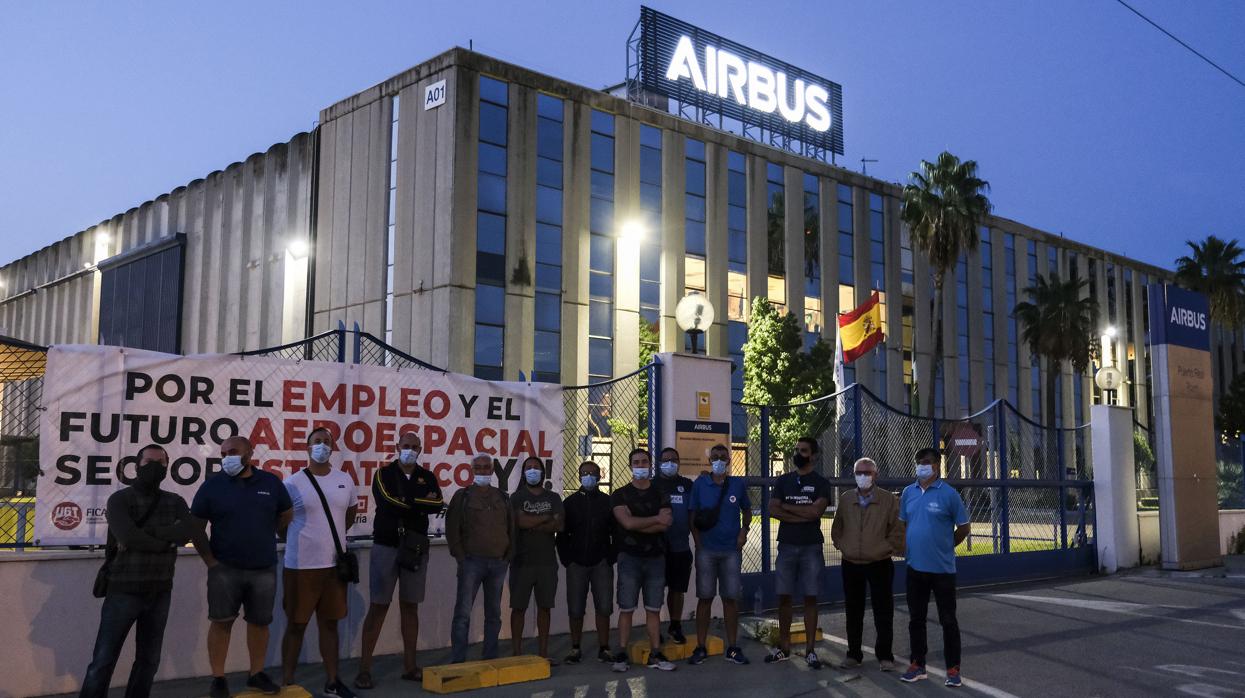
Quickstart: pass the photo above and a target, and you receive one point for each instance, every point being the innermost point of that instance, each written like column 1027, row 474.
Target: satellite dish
column 694, row 314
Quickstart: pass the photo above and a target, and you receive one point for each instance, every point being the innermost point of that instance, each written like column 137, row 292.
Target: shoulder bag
column 347, row 562
column 706, row 519
column 100, row 589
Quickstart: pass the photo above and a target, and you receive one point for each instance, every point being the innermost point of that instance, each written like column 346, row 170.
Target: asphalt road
column 1141, row 634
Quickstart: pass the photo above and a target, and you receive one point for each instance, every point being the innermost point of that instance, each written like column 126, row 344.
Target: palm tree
column 943, row 206
column 1216, row 269
column 1058, row 324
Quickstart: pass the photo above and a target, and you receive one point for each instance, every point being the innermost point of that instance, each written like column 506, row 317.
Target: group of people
column 630, row 545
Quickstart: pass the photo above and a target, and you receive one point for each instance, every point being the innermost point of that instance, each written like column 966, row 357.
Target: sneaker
column 338, row 690
column 915, row 673
column 734, row 655
column 574, row 657
column 776, row 655
column 657, row 660
column 220, row 688
column 676, row 635
column 620, row 662
column 699, row 655
column 605, row 656
column 887, row 665
column 812, row 660
column 953, row 678
column 849, row 663
column 263, row 684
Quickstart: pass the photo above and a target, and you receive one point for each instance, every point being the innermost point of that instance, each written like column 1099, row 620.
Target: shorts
column 678, row 570
column 720, row 569
column 233, row 588
column 384, row 574
column 799, row 569
column 600, row 578
column 541, row 579
column 316, row 591
column 636, row 573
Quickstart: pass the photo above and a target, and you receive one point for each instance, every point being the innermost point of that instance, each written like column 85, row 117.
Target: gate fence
column 21, row 393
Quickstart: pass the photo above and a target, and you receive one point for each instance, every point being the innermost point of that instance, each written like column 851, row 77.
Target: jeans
column 636, row 574
column 718, row 572
column 799, row 569
column 878, row 577
column 920, row 584
column 120, row 611
column 472, row 572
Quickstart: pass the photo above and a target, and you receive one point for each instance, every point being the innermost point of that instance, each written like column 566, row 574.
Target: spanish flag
column 860, row 330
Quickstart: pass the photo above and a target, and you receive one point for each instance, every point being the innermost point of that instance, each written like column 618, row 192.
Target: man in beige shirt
column 867, row 531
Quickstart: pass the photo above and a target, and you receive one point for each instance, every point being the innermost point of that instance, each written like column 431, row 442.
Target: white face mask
column 232, row 465
column 320, row 453
column 718, row 467
column 484, row 480
column 924, row 471
column 533, row 477
column 407, row 456
column 640, row 473
column 864, row 482
column 669, row 468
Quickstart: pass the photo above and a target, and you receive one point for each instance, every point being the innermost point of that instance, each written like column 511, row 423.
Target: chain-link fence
column 21, row 393
column 604, row 422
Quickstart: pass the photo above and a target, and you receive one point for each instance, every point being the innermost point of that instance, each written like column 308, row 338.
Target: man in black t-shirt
column 643, row 514
column 798, row 500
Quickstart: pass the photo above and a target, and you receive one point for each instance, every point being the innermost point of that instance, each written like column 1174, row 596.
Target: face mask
column 924, row 471
column 864, row 482
column 407, row 456
column 320, row 453
column 718, row 467
column 150, row 475
column 639, row 473
column 533, row 477
column 484, row 480
column 800, row 460
column 232, row 465
column 669, row 468
column 589, row 481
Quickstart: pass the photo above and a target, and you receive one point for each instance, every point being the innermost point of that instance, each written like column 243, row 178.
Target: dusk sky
column 1086, row 120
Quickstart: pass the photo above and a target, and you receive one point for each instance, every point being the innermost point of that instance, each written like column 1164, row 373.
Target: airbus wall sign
column 1179, row 317
column 702, row 69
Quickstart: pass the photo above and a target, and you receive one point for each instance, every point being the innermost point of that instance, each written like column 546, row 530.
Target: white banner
column 103, row 404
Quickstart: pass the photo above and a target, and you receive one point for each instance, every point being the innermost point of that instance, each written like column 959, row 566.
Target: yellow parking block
column 286, row 692
column 638, row 651
column 451, row 678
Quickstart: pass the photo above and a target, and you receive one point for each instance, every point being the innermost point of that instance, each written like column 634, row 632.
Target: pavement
column 1143, row 633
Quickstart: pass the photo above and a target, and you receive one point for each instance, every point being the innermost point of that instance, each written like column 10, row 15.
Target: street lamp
column 631, row 231
column 694, row 314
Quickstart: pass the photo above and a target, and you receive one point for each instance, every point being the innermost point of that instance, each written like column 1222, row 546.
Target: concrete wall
column 238, row 224
column 1231, row 522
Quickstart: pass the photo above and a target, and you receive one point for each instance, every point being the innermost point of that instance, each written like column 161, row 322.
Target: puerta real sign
column 700, row 68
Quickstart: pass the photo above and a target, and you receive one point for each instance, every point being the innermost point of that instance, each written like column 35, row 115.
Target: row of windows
column 547, row 343
column 601, row 249
column 490, row 299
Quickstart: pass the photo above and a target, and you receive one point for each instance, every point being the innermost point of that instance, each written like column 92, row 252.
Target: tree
column 1058, row 323
column 1230, row 420
column 943, row 205
column 1215, row 268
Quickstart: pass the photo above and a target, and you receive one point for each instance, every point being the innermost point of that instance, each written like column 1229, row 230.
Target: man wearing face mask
column 721, row 516
column 936, row 522
column 538, row 516
column 246, row 508
column 479, row 529
column 405, row 495
column 798, row 500
column 678, row 548
column 311, row 582
column 867, row 531
column 642, row 511
column 585, row 546
column 146, row 526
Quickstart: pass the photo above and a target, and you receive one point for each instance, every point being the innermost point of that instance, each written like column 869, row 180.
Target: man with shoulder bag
column 317, row 565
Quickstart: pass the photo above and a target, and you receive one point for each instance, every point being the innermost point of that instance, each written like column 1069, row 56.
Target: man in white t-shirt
column 310, row 578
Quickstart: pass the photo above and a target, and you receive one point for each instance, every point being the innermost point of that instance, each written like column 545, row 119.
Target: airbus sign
column 716, row 76
column 1179, row 317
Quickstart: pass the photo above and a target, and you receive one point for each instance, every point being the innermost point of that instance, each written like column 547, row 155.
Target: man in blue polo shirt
column 721, row 515
column 937, row 522
column 245, row 507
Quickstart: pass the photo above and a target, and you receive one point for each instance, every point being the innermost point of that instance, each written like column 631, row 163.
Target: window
column 141, row 296
column 987, row 308
column 775, row 224
column 877, row 267
column 847, row 261
column 650, row 245
column 1013, row 347
column 391, row 222
column 490, row 299
column 601, row 250
column 812, row 260
column 694, row 213
column 737, row 239
column 547, row 343
column 961, row 334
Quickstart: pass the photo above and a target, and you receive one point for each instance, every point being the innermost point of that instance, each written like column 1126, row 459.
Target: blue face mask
column 232, row 465
column 484, row 480
column 718, row 467
column 589, row 481
column 924, row 471
column 669, row 468
column 640, row 473
column 407, row 456
column 320, row 453
column 533, row 477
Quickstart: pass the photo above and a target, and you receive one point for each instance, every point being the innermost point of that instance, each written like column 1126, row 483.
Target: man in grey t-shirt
column 538, row 515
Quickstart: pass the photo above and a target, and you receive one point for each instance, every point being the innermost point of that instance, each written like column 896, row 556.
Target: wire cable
column 1191, row 49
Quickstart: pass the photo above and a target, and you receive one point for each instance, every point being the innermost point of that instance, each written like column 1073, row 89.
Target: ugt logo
column 66, row 516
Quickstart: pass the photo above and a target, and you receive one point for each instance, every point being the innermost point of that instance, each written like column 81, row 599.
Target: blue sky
column 1086, row 121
